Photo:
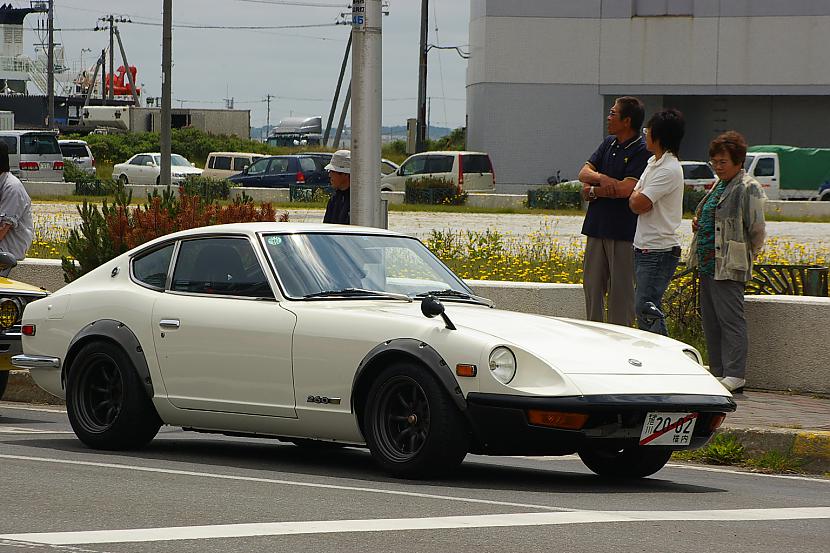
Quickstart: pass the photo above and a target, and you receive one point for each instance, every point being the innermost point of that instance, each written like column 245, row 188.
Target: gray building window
column 652, row 8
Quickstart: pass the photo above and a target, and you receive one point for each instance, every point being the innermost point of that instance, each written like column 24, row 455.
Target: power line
column 295, row 3
column 240, row 27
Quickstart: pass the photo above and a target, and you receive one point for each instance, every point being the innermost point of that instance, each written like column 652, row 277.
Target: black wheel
column 123, row 180
column 411, row 426
column 107, row 407
column 630, row 462
column 4, row 381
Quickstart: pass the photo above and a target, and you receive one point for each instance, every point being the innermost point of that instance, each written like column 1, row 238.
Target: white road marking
column 397, row 524
column 24, row 430
column 284, row 482
column 738, row 471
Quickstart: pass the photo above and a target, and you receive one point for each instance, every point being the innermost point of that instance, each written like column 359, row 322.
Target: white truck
column 790, row 173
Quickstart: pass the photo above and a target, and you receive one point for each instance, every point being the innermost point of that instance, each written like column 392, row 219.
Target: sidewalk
column 797, row 425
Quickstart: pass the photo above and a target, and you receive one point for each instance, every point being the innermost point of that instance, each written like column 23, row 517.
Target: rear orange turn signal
column 556, row 419
column 716, row 421
column 465, row 370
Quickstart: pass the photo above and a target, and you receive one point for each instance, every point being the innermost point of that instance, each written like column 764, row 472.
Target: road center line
column 284, row 482
column 398, row 524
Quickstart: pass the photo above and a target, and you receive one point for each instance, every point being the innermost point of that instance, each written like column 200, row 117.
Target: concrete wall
column 788, row 355
column 258, row 194
column 49, row 188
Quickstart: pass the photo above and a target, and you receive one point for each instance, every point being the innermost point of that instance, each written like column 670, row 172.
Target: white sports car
column 145, row 168
column 340, row 335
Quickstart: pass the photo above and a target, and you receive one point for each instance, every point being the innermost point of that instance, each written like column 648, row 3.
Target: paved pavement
column 420, row 223
column 190, row 492
column 764, row 421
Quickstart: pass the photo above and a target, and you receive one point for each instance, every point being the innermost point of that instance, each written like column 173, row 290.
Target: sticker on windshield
column 274, row 240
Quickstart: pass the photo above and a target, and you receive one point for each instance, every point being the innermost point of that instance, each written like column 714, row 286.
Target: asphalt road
column 188, row 492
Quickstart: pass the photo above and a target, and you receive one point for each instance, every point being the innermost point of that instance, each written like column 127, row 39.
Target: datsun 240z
column 340, row 335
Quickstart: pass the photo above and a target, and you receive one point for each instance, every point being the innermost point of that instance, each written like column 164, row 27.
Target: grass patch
column 775, row 462
column 723, row 449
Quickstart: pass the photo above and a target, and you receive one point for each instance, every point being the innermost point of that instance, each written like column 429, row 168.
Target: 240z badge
column 323, row 399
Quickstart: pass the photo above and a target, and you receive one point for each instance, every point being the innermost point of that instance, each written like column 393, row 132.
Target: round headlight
column 503, row 364
column 9, row 312
column 693, row 356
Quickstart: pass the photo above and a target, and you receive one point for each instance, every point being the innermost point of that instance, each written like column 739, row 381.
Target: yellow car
column 14, row 296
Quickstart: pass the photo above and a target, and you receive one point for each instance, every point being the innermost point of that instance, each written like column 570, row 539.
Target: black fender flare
column 421, row 351
column 117, row 332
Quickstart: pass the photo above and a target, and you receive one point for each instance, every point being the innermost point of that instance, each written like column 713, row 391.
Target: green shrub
column 207, row 188
column 566, row 195
column 310, row 193
column 433, row 191
column 86, row 184
column 692, row 197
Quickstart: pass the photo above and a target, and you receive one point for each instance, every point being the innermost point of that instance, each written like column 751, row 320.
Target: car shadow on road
column 282, row 460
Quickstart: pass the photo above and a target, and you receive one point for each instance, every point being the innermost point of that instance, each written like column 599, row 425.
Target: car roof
column 65, row 141
column 12, row 132
column 694, row 163
column 449, row 152
column 237, row 154
column 268, row 227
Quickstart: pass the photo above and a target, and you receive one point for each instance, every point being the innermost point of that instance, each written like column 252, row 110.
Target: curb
column 811, row 447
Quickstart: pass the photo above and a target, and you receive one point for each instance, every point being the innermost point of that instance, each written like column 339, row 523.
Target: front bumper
column 500, row 425
column 23, row 361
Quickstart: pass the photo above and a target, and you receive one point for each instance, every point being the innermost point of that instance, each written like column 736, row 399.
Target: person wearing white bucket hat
column 339, row 168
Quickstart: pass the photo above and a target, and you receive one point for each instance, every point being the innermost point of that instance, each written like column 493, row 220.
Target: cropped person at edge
column 608, row 178
column 658, row 201
column 16, row 226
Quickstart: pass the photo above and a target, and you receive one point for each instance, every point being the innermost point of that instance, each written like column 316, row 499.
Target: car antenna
column 432, row 306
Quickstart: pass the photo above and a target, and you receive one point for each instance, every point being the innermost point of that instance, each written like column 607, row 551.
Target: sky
column 298, row 66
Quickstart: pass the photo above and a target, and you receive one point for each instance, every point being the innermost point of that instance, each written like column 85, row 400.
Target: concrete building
column 543, row 74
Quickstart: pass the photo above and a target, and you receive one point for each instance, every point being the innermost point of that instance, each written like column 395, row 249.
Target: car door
column 134, row 169
column 441, row 166
column 765, row 171
column 223, row 342
column 253, row 176
column 281, row 173
column 413, row 167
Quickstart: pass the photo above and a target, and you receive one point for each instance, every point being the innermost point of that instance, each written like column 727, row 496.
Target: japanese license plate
column 45, row 164
column 668, row 429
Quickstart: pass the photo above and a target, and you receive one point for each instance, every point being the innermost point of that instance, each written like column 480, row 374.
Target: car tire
column 4, row 381
column 411, row 426
column 105, row 400
column 123, row 180
column 630, row 462
column 158, row 181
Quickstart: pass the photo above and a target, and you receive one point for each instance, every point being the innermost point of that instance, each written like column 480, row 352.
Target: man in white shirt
column 16, row 225
column 658, row 200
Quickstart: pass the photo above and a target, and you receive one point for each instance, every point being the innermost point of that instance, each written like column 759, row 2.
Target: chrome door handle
column 169, row 323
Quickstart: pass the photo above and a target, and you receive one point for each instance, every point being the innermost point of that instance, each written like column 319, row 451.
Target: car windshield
column 329, row 265
column 748, row 162
column 178, row 161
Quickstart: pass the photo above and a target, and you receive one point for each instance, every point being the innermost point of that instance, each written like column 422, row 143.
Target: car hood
column 9, row 285
column 572, row 346
column 188, row 170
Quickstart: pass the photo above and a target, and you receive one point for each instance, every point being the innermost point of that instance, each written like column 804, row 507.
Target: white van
column 221, row 165
column 698, row 175
column 469, row 171
column 34, row 155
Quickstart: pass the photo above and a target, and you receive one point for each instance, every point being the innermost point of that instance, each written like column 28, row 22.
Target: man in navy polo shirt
column 608, row 178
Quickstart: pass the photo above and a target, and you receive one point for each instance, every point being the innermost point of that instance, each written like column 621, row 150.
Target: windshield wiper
column 450, row 293
column 352, row 292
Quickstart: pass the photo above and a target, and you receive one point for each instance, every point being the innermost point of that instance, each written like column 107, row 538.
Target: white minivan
column 34, row 155
column 469, row 171
column 221, row 165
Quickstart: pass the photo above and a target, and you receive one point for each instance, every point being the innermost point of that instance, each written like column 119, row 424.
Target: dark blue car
column 282, row 172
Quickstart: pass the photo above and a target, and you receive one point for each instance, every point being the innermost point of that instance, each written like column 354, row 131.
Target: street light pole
column 166, row 91
column 366, row 112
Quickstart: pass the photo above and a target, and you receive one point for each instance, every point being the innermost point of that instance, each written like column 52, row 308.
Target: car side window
column 765, row 167
column 280, row 165
column 222, row 162
column 220, row 266
column 239, row 163
column 414, row 166
column 151, row 268
column 697, row 172
column 307, row 165
column 440, row 164
column 11, row 142
column 258, row 168
column 140, row 160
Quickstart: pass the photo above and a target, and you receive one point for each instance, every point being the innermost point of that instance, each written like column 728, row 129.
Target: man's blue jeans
column 652, row 274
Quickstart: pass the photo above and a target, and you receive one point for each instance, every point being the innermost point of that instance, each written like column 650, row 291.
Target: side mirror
column 245, row 168
column 432, row 307
column 150, row 164
column 7, row 261
column 192, row 164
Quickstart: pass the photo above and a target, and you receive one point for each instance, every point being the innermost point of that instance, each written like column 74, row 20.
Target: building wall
column 541, row 68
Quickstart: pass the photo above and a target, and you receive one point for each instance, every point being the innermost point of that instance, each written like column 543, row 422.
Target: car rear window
column 222, row 162
column 282, row 165
column 307, row 164
column 39, row 144
column 701, row 171
column 440, row 164
column 11, row 142
column 74, row 150
column 476, row 163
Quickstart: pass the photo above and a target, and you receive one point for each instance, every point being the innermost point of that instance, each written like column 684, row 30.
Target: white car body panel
column 148, row 174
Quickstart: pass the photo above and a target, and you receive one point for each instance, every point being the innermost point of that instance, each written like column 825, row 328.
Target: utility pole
column 112, row 58
column 130, row 78
column 50, row 66
column 166, row 90
column 268, row 116
column 366, row 112
column 339, row 132
column 337, row 91
column 420, row 133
